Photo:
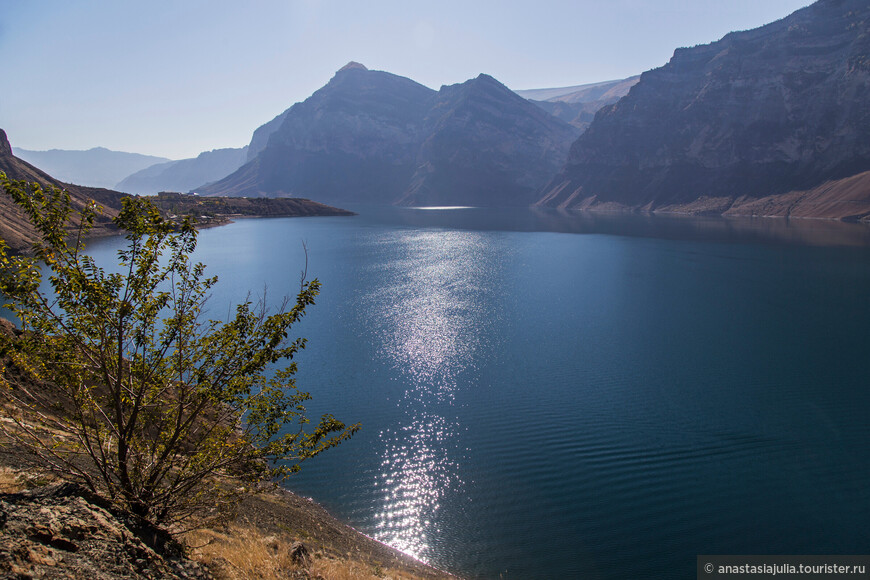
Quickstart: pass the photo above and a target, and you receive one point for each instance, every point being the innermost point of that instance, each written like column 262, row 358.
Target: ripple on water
column 427, row 322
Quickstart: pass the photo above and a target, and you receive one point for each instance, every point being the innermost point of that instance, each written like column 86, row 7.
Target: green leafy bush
column 131, row 391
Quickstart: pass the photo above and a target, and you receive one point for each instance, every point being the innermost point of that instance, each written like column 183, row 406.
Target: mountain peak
column 352, row 65
column 5, row 147
column 485, row 80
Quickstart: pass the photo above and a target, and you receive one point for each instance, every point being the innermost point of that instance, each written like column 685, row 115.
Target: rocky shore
column 62, row 530
column 51, row 528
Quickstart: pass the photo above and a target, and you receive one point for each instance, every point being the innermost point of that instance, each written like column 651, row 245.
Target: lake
column 553, row 396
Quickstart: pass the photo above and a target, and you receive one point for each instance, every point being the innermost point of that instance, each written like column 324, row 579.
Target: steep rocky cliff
column 374, row 137
column 261, row 135
column 764, row 112
column 486, row 146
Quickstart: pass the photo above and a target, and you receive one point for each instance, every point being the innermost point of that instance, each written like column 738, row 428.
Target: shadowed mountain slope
column 374, row 137
column 486, row 146
column 769, row 111
column 355, row 139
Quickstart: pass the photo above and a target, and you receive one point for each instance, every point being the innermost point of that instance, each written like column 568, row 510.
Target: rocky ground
column 63, row 531
column 50, row 528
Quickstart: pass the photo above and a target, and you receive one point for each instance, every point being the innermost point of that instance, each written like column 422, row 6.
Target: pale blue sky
column 177, row 77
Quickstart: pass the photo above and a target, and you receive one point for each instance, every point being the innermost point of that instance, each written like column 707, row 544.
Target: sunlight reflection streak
column 429, row 325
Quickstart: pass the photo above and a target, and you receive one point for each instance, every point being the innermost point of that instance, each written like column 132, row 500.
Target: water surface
column 554, row 396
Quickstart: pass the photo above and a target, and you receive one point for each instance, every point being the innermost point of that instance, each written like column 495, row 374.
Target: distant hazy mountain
column 97, row 167
column 578, row 105
column 16, row 230
column 185, row 174
column 371, row 136
column 581, row 93
column 736, row 126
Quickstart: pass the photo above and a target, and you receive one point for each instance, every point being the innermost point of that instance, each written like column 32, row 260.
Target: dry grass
column 259, row 548
column 352, row 570
column 10, row 480
column 243, row 553
column 14, row 480
column 239, row 552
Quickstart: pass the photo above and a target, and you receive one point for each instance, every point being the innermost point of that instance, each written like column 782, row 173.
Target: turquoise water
column 548, row 396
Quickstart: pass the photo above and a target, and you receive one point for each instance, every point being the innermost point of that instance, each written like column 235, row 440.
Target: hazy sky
column 177, row 77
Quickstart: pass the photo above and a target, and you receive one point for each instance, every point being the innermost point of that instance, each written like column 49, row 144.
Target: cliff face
column 781, row 108
column 485, row 146
column 373, row 137
column 261, row 135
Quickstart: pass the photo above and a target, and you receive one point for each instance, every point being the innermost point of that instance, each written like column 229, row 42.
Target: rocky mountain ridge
column 374, row 137
column 353, row 139
column 485, row 146
column 780, row 109
column 773, row 121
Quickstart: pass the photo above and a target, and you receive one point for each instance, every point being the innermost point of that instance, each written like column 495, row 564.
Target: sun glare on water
column 441, row 207
column 429, row 332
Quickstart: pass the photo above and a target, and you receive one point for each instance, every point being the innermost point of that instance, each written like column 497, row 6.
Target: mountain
column 261, row 135
column 587, row 93
column 97, row 167
column 16, row 230
column 374, row 137
column 578, row 105
column 184, row 174
column 355, row 139
column 485, row 146
column 782, row 109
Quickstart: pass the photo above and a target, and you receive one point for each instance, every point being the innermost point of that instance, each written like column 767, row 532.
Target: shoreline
column 266, row 515
column 366, row 542
column 270, row 516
